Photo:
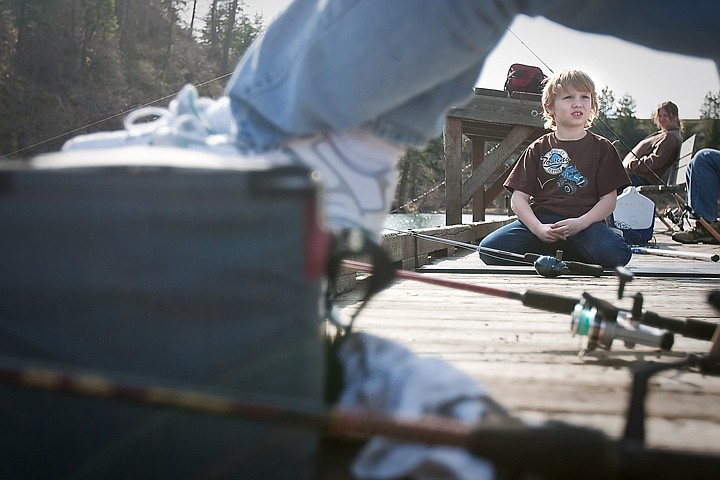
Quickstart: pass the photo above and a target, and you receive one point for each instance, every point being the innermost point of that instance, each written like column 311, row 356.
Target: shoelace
column 166, row 123
column 184, row 117
column 133, row 127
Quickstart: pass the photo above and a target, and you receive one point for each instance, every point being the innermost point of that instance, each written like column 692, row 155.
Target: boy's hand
column 568, row 227
column 548, row 234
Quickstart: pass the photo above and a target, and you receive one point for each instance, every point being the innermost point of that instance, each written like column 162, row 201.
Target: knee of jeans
column 617, row 258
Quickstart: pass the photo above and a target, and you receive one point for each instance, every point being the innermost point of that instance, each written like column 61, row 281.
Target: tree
column 98, row 17
column 229, row 30
column 31, row 17
column 172, row 8
column 606, row 103
column 606, row 114
column 710, row 120
column 711, row 106
column 421, row 173
column 192, row 16
column 625, row 125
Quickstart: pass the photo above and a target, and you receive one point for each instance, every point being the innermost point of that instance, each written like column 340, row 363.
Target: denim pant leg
column 514, row 238
column 392, row 67
column 597, row 245
column 703, row 183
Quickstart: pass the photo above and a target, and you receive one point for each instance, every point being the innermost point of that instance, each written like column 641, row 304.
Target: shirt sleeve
column 523, row 176
column 655, row 153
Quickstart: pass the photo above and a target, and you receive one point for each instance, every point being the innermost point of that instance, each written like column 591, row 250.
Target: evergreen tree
column 709, row 125
column 229, row 31
column 98, row 20
column 626, row 126
column 606, row 103
column 711, row 106
column 606, row 114
column 421, row 174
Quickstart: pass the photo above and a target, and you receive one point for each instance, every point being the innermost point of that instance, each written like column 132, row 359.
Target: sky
column 649, row 76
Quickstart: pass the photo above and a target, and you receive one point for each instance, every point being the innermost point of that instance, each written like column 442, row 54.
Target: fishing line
column 531, row 51
column 92, row 124
column 432, row 189
column 467, row 246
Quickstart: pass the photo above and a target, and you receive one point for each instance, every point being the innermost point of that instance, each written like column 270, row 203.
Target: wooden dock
column 529, row 360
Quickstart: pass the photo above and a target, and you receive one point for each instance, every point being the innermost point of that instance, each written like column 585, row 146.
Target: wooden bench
column 675, row 179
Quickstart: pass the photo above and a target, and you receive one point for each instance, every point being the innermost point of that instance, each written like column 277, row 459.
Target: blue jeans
column 394, row 67
column 703, row 183
column 597, row 244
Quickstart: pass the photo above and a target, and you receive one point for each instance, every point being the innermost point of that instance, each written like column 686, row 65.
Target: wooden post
column 490, row 116
column 453, row 170
column 478, row 202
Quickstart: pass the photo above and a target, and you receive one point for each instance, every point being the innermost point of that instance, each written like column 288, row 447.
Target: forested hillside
column 70, row 66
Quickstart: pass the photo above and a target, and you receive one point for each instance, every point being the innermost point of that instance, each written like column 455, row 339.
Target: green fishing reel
column 600, row 324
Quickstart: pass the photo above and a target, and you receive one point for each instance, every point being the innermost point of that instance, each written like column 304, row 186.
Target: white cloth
column 385, row 376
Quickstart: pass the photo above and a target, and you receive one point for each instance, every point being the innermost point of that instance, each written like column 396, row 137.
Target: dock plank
column 528, row 359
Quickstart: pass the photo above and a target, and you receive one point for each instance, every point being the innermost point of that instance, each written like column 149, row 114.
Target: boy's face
column 571, row 109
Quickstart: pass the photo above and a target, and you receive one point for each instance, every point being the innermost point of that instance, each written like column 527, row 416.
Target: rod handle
column 639, row 462
column 561, row 452
column 549, row 302
column 690, row 328
column 585, row 268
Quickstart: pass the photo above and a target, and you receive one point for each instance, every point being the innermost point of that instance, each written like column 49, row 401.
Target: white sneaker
column 183, row 124
column 358, row 174
column 356, row 169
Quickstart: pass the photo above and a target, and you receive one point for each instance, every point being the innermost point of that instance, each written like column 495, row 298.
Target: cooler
column 174, row 266
column 634, row 215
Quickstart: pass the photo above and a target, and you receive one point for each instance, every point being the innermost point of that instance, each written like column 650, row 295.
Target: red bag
column 524, row 78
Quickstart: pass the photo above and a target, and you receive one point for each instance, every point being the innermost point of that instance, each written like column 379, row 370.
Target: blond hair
column 568, row 80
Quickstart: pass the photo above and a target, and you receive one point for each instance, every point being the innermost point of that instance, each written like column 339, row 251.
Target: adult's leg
column 393, row 68
column 703, row 183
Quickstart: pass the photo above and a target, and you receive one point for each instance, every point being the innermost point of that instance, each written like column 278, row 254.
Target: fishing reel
column 601, row 323
column 676, row 216
column 547, row 265
column 551, row 267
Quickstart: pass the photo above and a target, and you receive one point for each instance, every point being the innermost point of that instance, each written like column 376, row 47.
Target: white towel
column 385, row 376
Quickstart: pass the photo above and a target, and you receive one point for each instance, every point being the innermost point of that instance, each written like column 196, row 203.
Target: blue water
column 405, row 221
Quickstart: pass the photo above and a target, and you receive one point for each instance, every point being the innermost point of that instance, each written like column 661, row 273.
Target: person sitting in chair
column 654, row 155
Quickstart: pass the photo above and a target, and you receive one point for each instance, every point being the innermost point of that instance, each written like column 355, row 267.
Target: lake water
column 405, row 221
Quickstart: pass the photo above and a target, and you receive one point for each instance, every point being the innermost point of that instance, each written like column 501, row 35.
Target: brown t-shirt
column 568, row 177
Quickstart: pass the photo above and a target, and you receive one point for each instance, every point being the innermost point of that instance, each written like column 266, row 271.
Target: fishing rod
column 597, row 320
column 545, row 265
column 549, row 266
column 554, row 450
column 708, row 257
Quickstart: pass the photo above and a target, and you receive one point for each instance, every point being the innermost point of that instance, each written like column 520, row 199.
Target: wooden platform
column 529, row 360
